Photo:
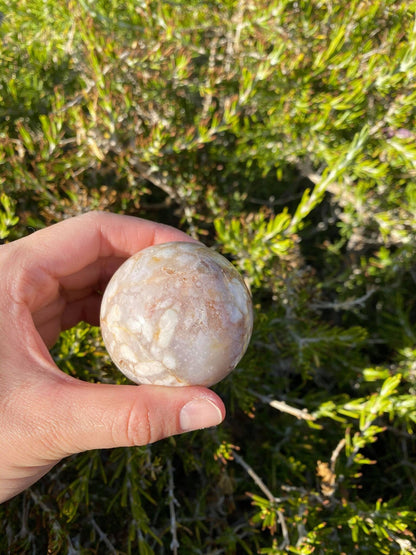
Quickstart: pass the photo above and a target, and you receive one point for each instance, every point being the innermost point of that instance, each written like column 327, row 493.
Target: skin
column 50, row 281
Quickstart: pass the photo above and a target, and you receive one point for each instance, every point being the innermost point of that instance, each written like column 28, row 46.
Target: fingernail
column 199, row 413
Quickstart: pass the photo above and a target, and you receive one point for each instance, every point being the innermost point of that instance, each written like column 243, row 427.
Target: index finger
column 66, row 248
column 72, row 244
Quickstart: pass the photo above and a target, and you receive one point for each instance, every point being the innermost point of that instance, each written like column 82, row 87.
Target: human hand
column 49, row 281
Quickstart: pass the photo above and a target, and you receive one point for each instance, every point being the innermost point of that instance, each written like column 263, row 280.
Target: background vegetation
column 282, row 133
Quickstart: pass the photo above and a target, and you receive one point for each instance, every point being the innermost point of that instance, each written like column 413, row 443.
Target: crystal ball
column 176, row 314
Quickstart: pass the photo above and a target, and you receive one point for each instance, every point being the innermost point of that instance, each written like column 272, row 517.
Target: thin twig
column 345, row 305
column 54, row 521
column 302, row 532
column 211, row 70
column 174, row 544
column 154, row 177
column 285, row 531
column 90, row 86
column 132, row 502
column 404, row 544
column 284, row 407
column 103, row 536
column 256, row 478
column 239, row 18
column 336, row 452
column 301, row 414
column 259, row 482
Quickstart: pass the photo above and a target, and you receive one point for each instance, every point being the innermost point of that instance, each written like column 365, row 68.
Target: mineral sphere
column 176, row 314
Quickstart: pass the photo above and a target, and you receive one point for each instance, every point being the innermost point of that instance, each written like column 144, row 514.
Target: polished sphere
column 176, row 314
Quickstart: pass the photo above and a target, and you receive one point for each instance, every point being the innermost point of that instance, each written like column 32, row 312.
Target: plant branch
column 274, row 500
column 174, row 544
column 103, row 536
column 282, row 406
column 347, row 304
column 336, row 452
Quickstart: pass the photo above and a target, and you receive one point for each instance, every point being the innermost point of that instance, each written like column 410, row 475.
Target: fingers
column 75, row 243
column 77, row 252
column 91, row 416
column 48, row 419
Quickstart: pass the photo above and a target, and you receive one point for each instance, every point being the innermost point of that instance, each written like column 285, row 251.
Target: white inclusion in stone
column 202, row 315
column 166, row 303
column 127, row 354
column 186, row 259
column 165, row 380
column 117, row 333
column 234, row 313
column 167, row 325
column 198, row 317
column 111, row 289
column 169, row 362
column 113, row 314
column 237, row 294
column 149, row 368
column 173, row 380
column 134, row 325
column 161, row 254
column 139, row 325
column 203, row 346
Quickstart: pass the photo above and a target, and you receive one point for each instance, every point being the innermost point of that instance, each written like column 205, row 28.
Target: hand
column 49, row 281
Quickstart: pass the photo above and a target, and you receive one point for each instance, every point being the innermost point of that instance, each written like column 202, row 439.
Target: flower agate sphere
column 176, row 314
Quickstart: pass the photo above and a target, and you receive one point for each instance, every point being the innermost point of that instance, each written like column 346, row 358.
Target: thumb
column 94, row 416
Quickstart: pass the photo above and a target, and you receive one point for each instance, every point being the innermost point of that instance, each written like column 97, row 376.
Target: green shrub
column 283, row 134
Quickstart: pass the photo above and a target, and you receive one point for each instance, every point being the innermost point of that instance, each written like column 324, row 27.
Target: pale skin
column 50, row 281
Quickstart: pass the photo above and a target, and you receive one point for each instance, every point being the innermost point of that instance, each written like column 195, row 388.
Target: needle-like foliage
column 281, row 133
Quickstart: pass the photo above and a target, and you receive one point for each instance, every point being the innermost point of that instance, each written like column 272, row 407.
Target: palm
column 70, row 299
